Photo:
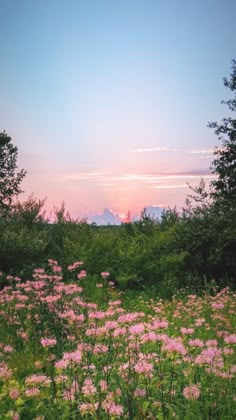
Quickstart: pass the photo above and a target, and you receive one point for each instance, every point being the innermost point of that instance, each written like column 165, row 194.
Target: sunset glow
column 108, row 102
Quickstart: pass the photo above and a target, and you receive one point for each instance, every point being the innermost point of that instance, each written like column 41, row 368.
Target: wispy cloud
column 85, row 176
column 112, row 188
column 163, row 176
column 208, row 151
column 108, row 181
column 159, row 205
column 152, row 149
column 178, row 176
column 165, row 187
column 131, row 177
column 202, row 151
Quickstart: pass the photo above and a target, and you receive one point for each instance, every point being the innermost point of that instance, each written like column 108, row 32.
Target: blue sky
column 108, row 101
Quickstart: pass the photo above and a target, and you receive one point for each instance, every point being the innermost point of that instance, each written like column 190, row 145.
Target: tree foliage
column 209, row 231
column 224, row 164
column 9, row 179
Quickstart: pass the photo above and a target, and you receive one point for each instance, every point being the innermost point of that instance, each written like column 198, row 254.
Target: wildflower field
column 80, row 348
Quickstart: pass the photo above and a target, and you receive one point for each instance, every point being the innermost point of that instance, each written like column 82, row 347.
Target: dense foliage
column 175, row 252
column 9, row 179
column 224, row 164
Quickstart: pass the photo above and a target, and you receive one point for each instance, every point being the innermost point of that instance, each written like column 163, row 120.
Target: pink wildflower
column 97, row 315
column 157, row 324
column 228, row 351
column 38, row 379
column 82, row 274
column 61, row 378
column 111, row 283
column 217, row 305
column 15, row 416
column 84, row 347
column 196, row 343
column 199, row 322
column 115, row 302
column 74, row 356
column 136, row 329
column 231, row 339
column 100, row 348
column 14, row 394
column 8, row 349
column 112, row 409
column 130, row 317
column 187, row 331
column 62, row 364
column 5, row 373
column 191, row 392
column 48, row 342
column 23, row 335
column 211, row 343
column 207, row 356
column 149, row 337
column 56, row 269
column 75, row 265
column 139, row 392
column 88, row 388
column 143, row 367
column 88, row 408
column 111, row 325
column 51, row 298
column 103, row 385
column 118, row 392
column 174, row 346
column 119, row 331
column 32, row 392
column 105, row 274
column 69, row 393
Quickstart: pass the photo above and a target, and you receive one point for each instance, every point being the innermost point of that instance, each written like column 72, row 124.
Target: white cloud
column 160, row 177
column 159, row 205
column 111, row 181
column 151, row 149
column 85, row 176
column 164, row 187
column 202, row 151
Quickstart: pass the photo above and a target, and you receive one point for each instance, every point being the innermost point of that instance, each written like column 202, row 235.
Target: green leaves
column 224, row 164
column 9, row 179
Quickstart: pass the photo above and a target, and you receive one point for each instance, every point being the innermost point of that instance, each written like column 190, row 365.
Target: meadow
column 74, row 346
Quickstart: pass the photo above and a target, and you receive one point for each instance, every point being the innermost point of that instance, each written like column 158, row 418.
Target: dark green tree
column 10, row 179
column 224, row 164
column 209, row 229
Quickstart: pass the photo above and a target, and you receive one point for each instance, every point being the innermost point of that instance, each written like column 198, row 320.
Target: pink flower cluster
column 75, row 265
column 82, row 274
column 48, row 342
column 191, row 392
column 105, row 274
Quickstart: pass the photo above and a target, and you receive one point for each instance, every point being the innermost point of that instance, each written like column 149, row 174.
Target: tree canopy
column 224, row 164
column 10, row 179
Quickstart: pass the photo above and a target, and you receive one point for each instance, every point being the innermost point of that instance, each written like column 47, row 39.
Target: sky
column 108, row 100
